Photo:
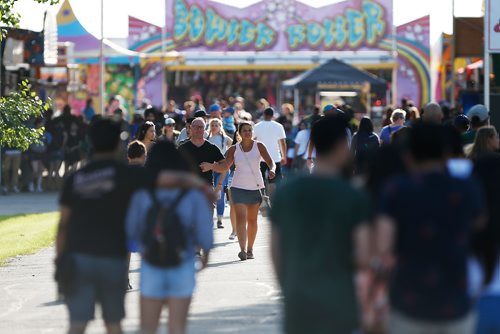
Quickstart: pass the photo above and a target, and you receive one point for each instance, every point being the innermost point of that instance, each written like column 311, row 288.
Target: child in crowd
column 136, row 153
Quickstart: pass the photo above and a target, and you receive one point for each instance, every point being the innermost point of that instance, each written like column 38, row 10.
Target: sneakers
column 15, row 190
column 242, row 255
column 219, row 224
column 250, row 255
column 31, row 187
column 232, row 236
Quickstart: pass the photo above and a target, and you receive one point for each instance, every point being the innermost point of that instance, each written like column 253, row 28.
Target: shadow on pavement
column 52, row 303
column 259, row 318
column 222, row 244
column 220, row 264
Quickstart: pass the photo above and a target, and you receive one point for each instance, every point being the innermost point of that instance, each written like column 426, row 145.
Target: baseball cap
column 214, row 107
column 229, row 110
column 480, row 111
column 201, row 113
column 461, row 121
column 332, row 108
column 169, row 121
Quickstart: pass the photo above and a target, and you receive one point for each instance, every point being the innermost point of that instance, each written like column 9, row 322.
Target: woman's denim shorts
column 161, row 283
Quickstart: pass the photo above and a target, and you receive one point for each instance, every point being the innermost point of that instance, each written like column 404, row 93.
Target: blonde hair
column 414, row 113
column 264, row 102
column 216, row 120
column 289, row 106
column 399, row 113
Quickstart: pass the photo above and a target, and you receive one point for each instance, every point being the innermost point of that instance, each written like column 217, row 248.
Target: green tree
column 18, row 107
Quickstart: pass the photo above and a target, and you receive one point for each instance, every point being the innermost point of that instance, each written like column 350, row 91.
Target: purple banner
column 278, row 25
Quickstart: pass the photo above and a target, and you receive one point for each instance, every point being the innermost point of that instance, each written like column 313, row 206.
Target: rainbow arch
column 153, row 44
column 418, row 57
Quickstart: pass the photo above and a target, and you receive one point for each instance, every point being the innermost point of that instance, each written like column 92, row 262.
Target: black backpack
column 164, row 238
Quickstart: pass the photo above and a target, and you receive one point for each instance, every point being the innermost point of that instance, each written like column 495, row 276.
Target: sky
column 116, row 12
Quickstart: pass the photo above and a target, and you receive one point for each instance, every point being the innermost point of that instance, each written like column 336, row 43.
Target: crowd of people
column 411, row 213
column 380, row 231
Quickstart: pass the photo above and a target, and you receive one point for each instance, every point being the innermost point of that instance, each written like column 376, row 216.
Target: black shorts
column 264, row 169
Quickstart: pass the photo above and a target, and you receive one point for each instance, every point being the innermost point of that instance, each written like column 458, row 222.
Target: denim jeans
column 221, row 202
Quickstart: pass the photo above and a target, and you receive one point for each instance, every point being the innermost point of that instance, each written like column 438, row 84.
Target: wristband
column 310, row 158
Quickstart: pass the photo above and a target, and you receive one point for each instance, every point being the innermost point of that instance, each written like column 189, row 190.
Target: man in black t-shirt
column 205, row 154
column 91, row 230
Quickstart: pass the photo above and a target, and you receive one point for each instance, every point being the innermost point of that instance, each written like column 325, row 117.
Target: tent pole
column 296, row 101
column 369, row 104
column 394, row 87
column 280, row 96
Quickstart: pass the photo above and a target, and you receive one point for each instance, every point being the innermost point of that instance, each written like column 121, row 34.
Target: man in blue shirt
column 398, row 118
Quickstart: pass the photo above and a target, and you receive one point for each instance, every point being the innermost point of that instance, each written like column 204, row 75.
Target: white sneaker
column 39, row 189
column 232, row 236
column 31, row 188
column 15, row 190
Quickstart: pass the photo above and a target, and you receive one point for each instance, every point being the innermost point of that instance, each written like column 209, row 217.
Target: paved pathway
column 231, row 296
column 14, row 204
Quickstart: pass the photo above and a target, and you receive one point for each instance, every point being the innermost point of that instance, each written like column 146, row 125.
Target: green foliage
column 19, row 107
column 10, row 19
column 16, row 110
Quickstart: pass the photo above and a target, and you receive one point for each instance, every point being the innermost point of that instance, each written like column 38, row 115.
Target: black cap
column 269, row 112
column 201, row 113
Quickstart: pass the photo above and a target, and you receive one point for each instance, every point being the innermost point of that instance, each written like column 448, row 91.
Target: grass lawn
column 26, row 234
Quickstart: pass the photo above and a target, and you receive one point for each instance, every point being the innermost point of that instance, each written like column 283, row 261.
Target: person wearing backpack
column 169, row 225
column 91, row 247
column 364, row 144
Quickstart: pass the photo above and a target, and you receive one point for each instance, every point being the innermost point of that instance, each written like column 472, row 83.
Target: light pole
column 486, row 59
column 102, row 83
column 162, row 59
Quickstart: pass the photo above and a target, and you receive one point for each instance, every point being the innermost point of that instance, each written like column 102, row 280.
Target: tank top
column 247, row 174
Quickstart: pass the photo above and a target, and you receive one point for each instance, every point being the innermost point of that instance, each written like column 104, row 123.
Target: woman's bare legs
column 150, row 314
column 252, row 213
column 232, row 211
column 178, row 309
column 241, row 224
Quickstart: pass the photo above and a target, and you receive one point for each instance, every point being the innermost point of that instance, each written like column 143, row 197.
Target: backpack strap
column 178, row 199
column 170, row 212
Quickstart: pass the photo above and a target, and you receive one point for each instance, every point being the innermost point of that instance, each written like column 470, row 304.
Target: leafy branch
column 8, row 18
column 16, row 110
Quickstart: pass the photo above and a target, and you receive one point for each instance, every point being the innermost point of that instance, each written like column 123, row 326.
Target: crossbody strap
column 249, row 165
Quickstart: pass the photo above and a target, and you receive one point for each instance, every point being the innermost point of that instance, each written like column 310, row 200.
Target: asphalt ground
column 231, row 296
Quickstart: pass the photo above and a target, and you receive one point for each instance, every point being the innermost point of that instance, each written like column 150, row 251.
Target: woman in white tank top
column 247, row 182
